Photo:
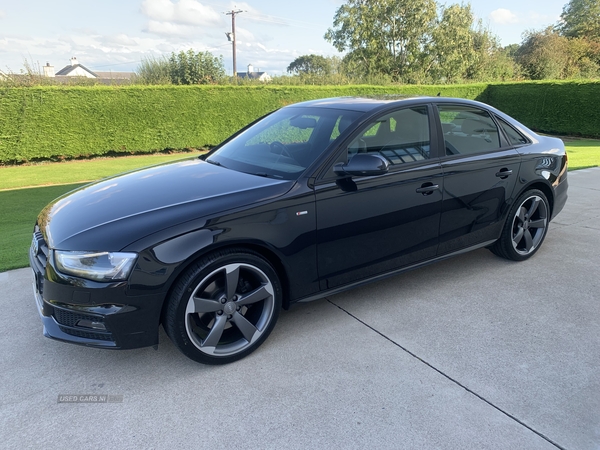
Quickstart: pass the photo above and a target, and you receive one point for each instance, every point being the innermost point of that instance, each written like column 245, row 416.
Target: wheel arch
column 268, row 254
column 275, row 261
column 541, row 186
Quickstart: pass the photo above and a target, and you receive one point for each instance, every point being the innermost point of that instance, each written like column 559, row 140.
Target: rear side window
column 468, row 130
column 514, row 137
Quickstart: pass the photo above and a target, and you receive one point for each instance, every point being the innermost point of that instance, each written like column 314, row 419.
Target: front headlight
column 96, row 266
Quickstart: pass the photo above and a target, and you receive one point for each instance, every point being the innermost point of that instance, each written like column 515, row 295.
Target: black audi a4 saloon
column 309, row 200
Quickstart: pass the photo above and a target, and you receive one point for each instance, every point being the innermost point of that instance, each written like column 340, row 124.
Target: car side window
column 468, row 130
column 341, row 124
column 401, row 136
column 514, row 137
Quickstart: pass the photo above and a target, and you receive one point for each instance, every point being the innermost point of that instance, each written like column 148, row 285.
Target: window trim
column 499, row 121
column 324, row 175
column 504, row 141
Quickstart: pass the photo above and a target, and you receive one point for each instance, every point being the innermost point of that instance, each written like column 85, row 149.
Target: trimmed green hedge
column 67, row 122
column 560, row 107
column 56, row 121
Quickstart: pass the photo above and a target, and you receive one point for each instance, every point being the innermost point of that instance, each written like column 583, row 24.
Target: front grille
column 70, row 318
column 41, row 251
column 87, row 334
column 39, row 258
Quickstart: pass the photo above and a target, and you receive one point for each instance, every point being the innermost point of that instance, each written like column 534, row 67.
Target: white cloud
column 184, row 12
column 188, row 24
column 107, row 52
column 242, row 6
column 243, row 35
column 121, row 40
column 536, row 18
column 96, row 52
column 532, row 19
column 171, row 29
column 503, row 16
column 2, row 14
column 123, row 52
column 250, row 14
column 169, row 26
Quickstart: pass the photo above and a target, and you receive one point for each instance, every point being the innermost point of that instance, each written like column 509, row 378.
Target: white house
column 251, row 74
column 79, row 70
column 73, row 70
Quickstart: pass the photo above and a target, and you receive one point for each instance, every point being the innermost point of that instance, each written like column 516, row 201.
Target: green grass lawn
column 583, row 153
column 19, row 209
column 44, row 174
column 19, row 206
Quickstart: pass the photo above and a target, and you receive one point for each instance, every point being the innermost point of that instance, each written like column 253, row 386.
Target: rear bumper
column 560, row 195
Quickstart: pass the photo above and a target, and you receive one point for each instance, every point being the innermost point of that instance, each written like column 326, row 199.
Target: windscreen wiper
column 216, row 163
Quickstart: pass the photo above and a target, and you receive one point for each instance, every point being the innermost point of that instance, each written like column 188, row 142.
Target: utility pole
column 231, row 37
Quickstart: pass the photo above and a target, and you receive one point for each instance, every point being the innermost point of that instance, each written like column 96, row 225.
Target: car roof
column 362, row 103
column 370, row 102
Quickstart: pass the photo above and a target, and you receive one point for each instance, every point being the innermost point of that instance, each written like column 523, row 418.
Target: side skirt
column 346, row 287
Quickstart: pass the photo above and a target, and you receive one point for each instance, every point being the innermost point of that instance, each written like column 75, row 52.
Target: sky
column 115, row 35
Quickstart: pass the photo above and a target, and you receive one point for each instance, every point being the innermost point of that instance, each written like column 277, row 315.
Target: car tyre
column 224, row 306
column 525, row 228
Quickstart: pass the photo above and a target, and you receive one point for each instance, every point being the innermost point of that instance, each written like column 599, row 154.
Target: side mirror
column 363, row 165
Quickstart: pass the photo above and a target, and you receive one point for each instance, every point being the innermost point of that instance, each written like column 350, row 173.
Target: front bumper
column 61, row 324
column 88, row 313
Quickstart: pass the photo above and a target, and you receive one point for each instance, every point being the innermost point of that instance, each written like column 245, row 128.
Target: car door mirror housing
column 363, row 164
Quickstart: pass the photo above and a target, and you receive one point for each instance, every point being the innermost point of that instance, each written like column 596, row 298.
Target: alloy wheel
column 529, row 225
column 230, row 309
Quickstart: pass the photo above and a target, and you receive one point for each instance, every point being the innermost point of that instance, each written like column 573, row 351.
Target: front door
column 367, row 226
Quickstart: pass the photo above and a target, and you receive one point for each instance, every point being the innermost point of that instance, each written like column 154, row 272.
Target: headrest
column 470, row 126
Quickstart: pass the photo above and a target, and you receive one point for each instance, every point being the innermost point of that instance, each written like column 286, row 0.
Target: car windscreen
column 283, row 144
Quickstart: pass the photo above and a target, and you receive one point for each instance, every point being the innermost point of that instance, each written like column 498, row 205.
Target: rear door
column 480, row 172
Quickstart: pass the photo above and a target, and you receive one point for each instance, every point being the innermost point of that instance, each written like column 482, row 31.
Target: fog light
column 90, row 324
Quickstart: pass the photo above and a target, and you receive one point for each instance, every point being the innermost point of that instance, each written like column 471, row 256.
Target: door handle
column 504, row 173
column 427, row 189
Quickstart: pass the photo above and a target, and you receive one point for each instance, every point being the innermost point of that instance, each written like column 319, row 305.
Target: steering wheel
column 278, row 147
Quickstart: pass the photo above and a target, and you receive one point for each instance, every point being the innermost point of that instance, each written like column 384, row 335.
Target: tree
column 511, row 50
column 548, row 55
column 581, row 18
column 489, row 61
column 583, row 58
column 452, row 48
column 383, row 36
column 310, row 65
column 542, row 54
column 414, row 41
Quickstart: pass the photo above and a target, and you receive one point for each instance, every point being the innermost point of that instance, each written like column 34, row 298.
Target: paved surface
column 474, row 352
